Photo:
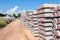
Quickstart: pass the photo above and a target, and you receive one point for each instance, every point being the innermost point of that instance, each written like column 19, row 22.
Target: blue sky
column 24, row 4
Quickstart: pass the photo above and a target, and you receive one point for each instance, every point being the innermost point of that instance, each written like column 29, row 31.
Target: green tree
column 19, row 14
column 14, row 15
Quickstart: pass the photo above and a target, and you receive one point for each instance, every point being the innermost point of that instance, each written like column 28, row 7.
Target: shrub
column 15, row 15
column 19, row 14
column 2, row 23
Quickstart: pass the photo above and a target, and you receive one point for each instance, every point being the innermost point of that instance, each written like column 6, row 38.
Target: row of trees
column 17, row 16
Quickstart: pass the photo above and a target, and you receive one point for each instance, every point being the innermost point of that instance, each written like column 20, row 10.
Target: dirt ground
column 16, row 31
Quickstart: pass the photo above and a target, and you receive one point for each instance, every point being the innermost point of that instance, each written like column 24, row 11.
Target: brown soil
column 16, row 31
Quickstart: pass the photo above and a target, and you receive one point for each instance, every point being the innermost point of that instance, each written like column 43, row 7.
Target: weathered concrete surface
column 16, row 31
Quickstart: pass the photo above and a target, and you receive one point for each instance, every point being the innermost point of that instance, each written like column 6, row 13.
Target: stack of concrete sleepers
column 35, row 24
column 45, row 14
column 28, row 19
column 57, row 23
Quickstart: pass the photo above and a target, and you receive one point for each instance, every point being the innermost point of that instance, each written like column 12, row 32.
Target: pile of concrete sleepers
column 49, row 21
column 46, row 22
column 35, row 24
column 56, row 21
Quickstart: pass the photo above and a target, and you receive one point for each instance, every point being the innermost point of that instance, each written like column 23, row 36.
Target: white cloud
column 13, row 10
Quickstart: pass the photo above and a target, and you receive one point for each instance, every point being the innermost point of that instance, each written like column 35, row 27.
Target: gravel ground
column 16, row 31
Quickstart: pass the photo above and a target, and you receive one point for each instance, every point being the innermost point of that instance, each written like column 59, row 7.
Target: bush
column 15, row 15
column 2, row 23
column 19, row 14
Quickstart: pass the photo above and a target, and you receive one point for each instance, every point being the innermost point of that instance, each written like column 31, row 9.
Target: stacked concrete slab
column 57, row 23
column 44, row 22
column 45, row 13
column 23, row 19
column 31, row 22
column 35, row 24
column 28, row 19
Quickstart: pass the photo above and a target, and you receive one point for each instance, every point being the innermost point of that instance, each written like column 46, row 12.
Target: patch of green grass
column 2, row 23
